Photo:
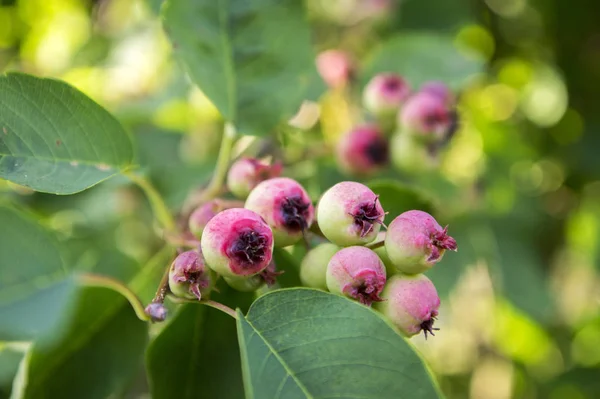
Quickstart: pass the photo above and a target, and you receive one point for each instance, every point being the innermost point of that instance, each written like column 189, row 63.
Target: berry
column 252, row 283
column 313, row 269
column 189, row 278
column 237, row 242
column 157, row 311
column 385, row 94
column 411, row 155
column 349, row 213
column 200, row 217
column 415, row 242
column 439, row 89
column 358, row 273
column 285, row 206
column 426, row 115
column 335, row 67
column 411, row 303
column 363, row 150
column 247, row 173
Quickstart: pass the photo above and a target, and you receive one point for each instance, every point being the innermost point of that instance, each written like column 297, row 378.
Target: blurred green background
column 519, row 184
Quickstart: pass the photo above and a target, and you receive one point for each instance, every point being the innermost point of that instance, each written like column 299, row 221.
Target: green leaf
column 10, row 357
column 303, row 343
column 197, row 355
column 253, row 59
column 396, row 198
column 34, row 293
column 99, row 352
column 54, row 139
column 438, row 15
column 420, row 57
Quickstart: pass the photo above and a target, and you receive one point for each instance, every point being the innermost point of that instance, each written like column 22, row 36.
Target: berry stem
column 159, row 208
column 214, row 187
column 221, row 307
column 376, row 245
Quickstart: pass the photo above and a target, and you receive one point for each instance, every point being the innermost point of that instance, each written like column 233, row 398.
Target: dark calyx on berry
column 295, row 212
column 250, row 247
column 366, row 216
column 392, row 84
column 427, row 327
column 377, row 152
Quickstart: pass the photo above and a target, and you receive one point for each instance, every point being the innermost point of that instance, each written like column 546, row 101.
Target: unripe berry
column 200, row 217
column 385, row 94
column 363, row 150
column 285, row 206
column 247, row 173
column 411, row 303
column 358, row 273
column 349, row 213
column 313, row 269
column 440, row 90
column 237, row 242
column 428, row 116
column 415, row 242
column 335, row 67
column 252, row 283
column 411, row 155
column 188, row 276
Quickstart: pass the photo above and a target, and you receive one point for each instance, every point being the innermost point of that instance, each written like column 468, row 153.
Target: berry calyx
column 247, row 173
column 349, row 213
column 237, row 242
column 285, row 206
column 188, row 276
column 363, row 150
column 358, row 273
column 411, row 303
column 415, row 241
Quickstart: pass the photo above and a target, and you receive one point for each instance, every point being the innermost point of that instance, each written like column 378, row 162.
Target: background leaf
column 32, row 279
column 252, row 59
column 289, row 265
column 301, row 343
column 98, row 354
column 397, row 198
column 420, row 57
column 55, row 139
column 196, row 355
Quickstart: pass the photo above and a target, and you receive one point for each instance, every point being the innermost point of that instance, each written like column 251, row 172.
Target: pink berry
column 200, row 217
column 415, row 242
column 237, row 242
column 286, row 207
column 411, row 303
column 358, row 273
column 349, row 213
column 440, row 90
column 385, row 93
column 426, row 115
column 188, row 276
column 363, row 150
column 335, row 67
column 246, row 173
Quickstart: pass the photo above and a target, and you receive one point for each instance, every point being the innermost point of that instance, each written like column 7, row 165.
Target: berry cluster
column 409, row 128
column 353, row 257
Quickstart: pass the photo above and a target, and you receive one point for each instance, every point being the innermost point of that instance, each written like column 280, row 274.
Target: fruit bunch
column 405, row 127
column 350, row 255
